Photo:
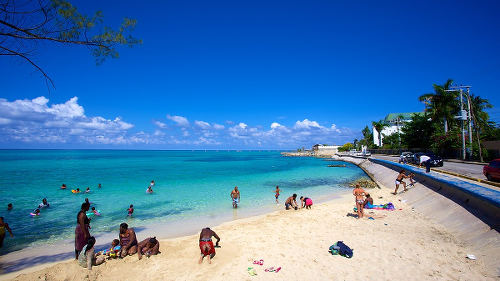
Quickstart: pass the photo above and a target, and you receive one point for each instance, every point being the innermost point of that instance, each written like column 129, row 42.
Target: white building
column 394, row 121
column 325, row 149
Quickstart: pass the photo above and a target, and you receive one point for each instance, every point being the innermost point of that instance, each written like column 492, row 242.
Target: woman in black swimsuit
column 82, row 233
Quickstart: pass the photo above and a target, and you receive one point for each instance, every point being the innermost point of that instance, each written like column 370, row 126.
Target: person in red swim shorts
column 206, row 245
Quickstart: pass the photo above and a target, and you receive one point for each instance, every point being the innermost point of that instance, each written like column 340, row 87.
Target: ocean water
column 190, row 185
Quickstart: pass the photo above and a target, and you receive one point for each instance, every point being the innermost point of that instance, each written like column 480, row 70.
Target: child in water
column 95, row 212
column 88, row 190
column 277, row 191
column 131, row 210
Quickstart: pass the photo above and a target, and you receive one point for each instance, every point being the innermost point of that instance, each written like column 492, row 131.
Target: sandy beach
column 397, row 245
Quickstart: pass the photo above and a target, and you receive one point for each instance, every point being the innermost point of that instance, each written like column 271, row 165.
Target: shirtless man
column 4, row 227
column 399, row 180
column 291, row 202
column 359, row 193
column 235, row 196
column 148, row 247
column 206, row 245
column 128, row 240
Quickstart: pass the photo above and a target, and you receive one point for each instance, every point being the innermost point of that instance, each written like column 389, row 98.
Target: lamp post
column 464, row 115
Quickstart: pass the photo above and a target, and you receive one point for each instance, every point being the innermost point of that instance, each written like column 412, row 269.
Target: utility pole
column 464, row 116
column 469, row 116
column 462, row 119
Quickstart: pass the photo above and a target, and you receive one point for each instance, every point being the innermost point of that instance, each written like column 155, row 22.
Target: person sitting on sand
column 305, row 202
column 113, row 250
column 87, row 257
column 358, row 193
column 130, row 210
column 206, row 245
column 291, row 202
column 148, row 247
column 277, row 191
column 4, row 227
column 10, row 207
column 399, row 180
column 368, row 204
column 128, row 240
column 235, row 196
column 44, row 203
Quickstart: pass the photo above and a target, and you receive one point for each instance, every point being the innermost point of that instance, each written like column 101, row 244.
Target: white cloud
column 202, row 124
column 306, row 124
column 180, row 120
column 36, row 121
column 242, row 125
column 334, row 128
column 218, row 126
column 160, row 124
column 275, row 125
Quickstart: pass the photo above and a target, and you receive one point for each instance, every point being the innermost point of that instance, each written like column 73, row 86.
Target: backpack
column 344, row 250
column 334, row 249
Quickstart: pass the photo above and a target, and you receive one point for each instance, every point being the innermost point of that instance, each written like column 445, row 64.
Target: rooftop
column 392, row 117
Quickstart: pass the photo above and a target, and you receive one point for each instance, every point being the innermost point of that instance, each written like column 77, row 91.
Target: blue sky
column 249, row 75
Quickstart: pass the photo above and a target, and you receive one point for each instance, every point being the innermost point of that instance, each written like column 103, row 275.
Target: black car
column 405, row 157
column 435, row 160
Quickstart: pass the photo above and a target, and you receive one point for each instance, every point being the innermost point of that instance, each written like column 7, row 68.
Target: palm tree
column 442, row 104
column 379, row 126
column 480, row 118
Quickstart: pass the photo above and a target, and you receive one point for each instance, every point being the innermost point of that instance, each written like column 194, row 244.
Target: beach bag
column 344, row 250
column 334, row 249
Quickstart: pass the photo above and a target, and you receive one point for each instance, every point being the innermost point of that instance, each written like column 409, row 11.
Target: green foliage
column 442, row 105
column 392, row 141
column 346, row 147
column 418, row 133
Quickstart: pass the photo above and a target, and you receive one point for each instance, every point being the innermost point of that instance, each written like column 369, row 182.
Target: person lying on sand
column 399, row 180
column 358, row 193
column 291, row 202
column 206, row 245
column 368, row 201
column 87, row 257
column 148, row 247
column 128, row 240
column 235, row 196
column 305, row 202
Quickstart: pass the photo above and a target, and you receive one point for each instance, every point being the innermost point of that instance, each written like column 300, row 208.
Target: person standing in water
column 235, row 196
column 82, row 233
column 206, row 245
column 277, row 191
column 4, row 227
column 130, row 210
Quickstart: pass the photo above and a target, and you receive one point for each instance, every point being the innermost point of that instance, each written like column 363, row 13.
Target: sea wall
column 468, row 210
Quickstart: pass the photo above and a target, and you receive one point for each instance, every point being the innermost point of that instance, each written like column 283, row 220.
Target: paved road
column 471, row 170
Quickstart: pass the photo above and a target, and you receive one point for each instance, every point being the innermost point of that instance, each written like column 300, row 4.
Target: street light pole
column 463, row 130
column 469, row 116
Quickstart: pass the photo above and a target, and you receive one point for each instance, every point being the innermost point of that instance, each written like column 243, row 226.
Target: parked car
column 435, row 160
column 492, row 170
column 405, row 157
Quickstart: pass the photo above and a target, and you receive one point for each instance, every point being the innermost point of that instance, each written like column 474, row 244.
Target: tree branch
column 31, row 62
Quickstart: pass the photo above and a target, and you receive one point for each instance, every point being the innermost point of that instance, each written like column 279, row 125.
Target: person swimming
column 63, row 186
column 10, row 207
column 44, row 203
column 87, row 190
column 95, row 212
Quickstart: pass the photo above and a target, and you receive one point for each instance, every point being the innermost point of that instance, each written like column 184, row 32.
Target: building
column 394, row 123
column 320, row 149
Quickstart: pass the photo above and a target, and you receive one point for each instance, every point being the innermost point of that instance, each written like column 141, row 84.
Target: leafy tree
column 442, row 104
column 24, row 25
column 379, row 126
column 418, row 133
column 480, row 119
column 392, row 141
column 346, row 147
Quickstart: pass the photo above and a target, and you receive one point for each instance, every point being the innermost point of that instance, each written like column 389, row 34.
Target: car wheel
column 489, row 177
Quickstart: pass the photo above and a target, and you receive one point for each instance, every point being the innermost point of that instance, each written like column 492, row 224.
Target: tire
column 489, row 177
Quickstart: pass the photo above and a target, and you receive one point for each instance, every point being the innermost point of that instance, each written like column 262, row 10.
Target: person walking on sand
column 277, row 191
column 4, row 227
column 207, row 247
column 359, row 193
column 399, row 180
column 235, row 196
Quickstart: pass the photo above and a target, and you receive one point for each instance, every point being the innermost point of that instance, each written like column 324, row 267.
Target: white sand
column 397, row 245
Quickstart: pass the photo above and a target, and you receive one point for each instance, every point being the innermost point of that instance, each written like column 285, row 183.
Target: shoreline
column 403, row 243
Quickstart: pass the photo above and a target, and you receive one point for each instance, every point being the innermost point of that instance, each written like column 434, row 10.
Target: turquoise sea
column 190, row 186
